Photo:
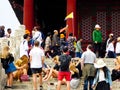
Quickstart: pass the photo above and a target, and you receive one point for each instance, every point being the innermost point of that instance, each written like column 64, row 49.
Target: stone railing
column 2, row 78
column 14, row 41
column 14, row 44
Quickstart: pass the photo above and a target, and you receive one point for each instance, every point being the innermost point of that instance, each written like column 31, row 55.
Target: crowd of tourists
column 70, row 60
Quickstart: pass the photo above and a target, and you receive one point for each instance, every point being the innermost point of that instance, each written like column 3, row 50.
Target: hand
column 96, row 42
column 93, row 86
column 110, row 87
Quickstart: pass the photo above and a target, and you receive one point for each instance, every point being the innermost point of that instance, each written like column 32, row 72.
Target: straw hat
column 55, row 31
column 97, row 26
column 118, row 39
column 100, row 63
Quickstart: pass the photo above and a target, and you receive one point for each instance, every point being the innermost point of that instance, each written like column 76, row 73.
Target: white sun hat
column 97, row 26
column 99, row 64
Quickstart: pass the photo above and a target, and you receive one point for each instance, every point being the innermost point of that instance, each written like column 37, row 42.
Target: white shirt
column 110, row 47
column 117, row 47
column 24, row 48
column 101, row 76
column 37, row 36
column 88, row 57
column 36, row 53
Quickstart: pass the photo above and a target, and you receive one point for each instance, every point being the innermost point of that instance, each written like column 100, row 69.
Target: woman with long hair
column 102, row 79
column 8, row 58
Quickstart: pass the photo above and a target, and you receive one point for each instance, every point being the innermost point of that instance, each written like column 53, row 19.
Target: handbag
column 24, row 78
column 11, row 68
column 74, row 83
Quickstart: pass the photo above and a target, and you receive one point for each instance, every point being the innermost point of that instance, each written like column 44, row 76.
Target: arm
column 109, row 78
column 93, row 36
column 79, row 46
column 95, row 79
column 42, row 58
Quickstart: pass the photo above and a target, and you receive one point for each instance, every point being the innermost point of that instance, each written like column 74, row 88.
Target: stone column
column 72, row 23
column 28, row 16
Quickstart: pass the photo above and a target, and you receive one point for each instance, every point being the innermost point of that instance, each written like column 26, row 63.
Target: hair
column 89, row 46
column 36, row 43
column 71, row 34
column 56, row 58
column 24, row 58
column 5, row 52
column 49, row 33
column 25, row 36
column 65, row 49
column 105, row 70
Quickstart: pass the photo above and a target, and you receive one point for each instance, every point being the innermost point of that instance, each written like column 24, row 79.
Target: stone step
column 46, row 85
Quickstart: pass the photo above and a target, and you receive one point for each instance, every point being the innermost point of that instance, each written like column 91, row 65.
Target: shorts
column 66, row 75
column 36, row 70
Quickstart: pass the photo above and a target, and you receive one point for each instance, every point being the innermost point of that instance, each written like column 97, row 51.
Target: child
column 102, row 76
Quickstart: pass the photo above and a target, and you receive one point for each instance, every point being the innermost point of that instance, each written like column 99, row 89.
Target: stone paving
column 46, row 85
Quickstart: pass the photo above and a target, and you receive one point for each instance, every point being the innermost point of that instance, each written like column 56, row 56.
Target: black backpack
column 64, row 62
column 4, row 63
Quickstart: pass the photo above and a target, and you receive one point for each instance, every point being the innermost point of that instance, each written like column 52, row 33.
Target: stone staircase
column 46, row 85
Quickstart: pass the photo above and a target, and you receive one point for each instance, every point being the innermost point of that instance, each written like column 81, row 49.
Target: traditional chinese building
column 86, row 13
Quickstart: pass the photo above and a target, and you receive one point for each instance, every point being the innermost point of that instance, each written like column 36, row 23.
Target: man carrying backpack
column 64, row 71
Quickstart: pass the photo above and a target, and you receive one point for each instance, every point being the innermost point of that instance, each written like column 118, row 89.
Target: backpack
column 64, row 62
column 4, row 63
column 74, row 83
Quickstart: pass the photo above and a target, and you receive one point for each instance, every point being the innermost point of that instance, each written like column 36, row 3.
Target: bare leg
column 40, row 77
column 52, row 72
column 59, row 85
column 47, row 73
column 68, row 85
column 35, row 81
column 10, row 80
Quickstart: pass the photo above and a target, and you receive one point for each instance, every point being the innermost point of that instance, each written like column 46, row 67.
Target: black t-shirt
column 56, row 67
column 64, row 62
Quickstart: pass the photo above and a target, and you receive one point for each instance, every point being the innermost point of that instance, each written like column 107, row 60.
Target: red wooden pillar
column 72, row 23
column 28, row 16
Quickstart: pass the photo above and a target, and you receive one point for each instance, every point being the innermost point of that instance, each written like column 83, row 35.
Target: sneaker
column 41, row 87
column 8, row 87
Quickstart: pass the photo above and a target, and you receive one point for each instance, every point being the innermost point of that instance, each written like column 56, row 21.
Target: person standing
column 78, row 50
column 71, row 40
column 64, row 71
column 37, row 35
column 36, row 63
column 24, row 46
column 87, row 65
column 55, row 42
column 2, row 31
column 7, row 63
column 97, row 40
column 102, row 76
column 47, row 44
column 8, row 34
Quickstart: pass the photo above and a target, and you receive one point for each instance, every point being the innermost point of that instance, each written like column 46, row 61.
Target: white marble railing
column 2, row 78
column 14, row 44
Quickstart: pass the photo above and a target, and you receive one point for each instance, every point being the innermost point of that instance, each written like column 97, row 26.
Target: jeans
column 78, row 54
column 90, row 81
